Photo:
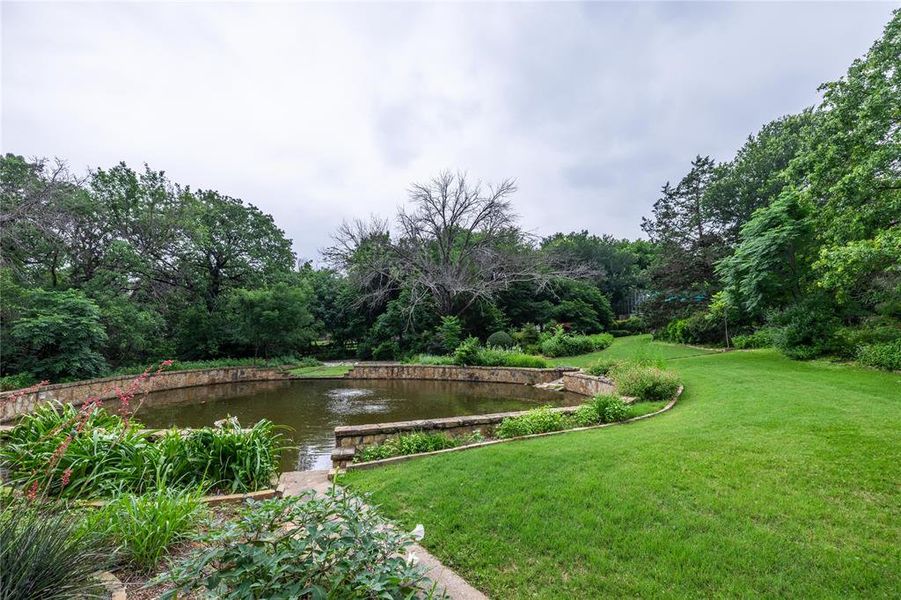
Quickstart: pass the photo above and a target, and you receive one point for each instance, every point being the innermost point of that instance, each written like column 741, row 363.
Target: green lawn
column 769, row 478
column 321, row 371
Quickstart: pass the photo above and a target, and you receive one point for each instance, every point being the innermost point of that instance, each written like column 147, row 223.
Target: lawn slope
column 770, row 478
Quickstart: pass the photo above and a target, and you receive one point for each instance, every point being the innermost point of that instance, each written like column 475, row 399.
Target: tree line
column 794, row 243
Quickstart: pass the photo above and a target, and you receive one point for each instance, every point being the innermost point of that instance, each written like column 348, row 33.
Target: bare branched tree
column 458, row 243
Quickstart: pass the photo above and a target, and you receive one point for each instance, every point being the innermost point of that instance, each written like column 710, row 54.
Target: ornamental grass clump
column 144, row 527
column 46, row 553
column 646, row 383
column 308, row 546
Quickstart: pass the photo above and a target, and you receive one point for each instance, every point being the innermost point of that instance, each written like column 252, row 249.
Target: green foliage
column 17, row 381
column 145, row 527
column 762, row 338
column 603, row 366
column 647, row 383
column 413, row 443
column 699, row 328
column 45, row 553
column 527, row 338
column 886, row 355
column 537, row 420
column 227, row 458
column 105, row 455
column 805, row 330
column 57, row 335
column 467, row 353
column 500, row 339
column 271, row 321
column 331, row 546
column 610, row 408
column 450, row 333
column 563, row 344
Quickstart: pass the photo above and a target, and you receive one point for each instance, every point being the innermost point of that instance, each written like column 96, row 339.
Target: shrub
column 450, row 333
column 528, row 361
column 601, row 341
column 17, row 381
column 467, row 353
column 432, row 359
column 386, row 351
column 338, row 547
column 562, row 344
column 847, row 342
column 45, row 553
column 804, row 331
column 603, row 367
column 610, row 408
column 527, row 337
column 537, row 420
column 586, row 415
column 882, row 356
column 630, row 326
column 499, row 339
column 414, row 443
column 145, row 527
column 762, row 338
column 644, row 382
column 699, row 328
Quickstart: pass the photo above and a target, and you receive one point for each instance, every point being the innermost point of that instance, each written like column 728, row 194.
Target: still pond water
column 312, row 409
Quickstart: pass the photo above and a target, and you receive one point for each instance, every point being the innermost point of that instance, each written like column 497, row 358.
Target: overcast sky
column 319, row 112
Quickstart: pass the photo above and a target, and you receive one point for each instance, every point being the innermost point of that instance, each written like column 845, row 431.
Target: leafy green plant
column 562, row 344
column 45, row 553
column 414, row 443
column 603, row 366
column 144, row 527
column 467, row 353
column 882, row 356
column 493, row 356
column 228, row 458
column 610, row 408
column 450, row 332
column 537, row 420
column 76, row 453
column 644, row 382
column 332, row 546
column 499, row 339
column 762, row 338
column 601, row 341
column 17, row 381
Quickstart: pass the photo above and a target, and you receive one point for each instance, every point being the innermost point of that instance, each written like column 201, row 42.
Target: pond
column 312, row 409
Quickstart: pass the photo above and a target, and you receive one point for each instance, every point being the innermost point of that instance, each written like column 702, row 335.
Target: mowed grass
column 770, row 478
column 321, row 371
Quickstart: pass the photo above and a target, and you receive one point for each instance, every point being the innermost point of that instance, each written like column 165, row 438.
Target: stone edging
column 113, row 585
column 398, row 459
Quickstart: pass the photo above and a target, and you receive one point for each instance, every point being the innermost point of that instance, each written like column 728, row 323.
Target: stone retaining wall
column 350, row 437
column 587, row 385
column 105, row 389
column 455, row 373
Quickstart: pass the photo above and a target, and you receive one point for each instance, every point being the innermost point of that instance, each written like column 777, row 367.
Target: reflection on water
column 312, row 409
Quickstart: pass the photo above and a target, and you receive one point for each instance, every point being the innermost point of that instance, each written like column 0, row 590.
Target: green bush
column 562, row 344
column 610, row 408
column 467, row 353
column 432, row 359
column 805, row 330
column 644, row 382
column 338, row 547
column 699, row 328
column 630, row 326
column 413, row 443
column 882, row 356
column 45, row 553
column 762, row 338
column 450, row 333
column 499, row 339
column 527, row 338
column 603, row 367
column 601, row 341
column 144, row 527
column 17, row 381
column 498, row 357
column 537, row 420
column 389, row 350
column 847, row 342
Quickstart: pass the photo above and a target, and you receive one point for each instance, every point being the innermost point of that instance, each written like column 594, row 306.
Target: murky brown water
column 312, row 409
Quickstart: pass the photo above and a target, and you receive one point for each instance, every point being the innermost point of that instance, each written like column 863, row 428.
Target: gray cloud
column 318, row 112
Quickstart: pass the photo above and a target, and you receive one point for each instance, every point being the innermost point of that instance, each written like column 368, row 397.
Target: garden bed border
column 399, row 459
